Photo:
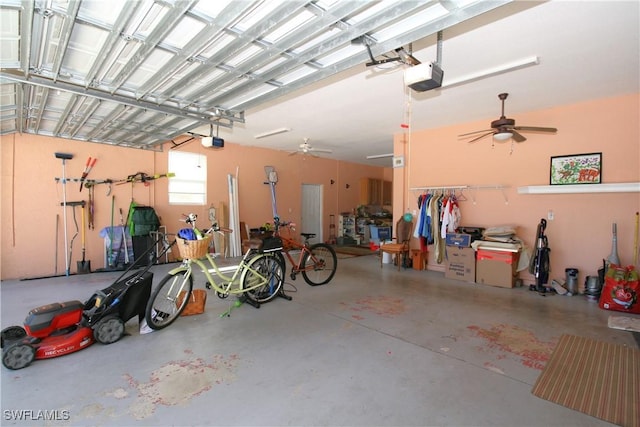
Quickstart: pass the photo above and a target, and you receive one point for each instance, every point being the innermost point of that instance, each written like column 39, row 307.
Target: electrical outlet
column 550, row 215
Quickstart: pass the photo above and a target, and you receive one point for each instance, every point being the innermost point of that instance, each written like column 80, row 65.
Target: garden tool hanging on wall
column 75, row 221
column 87, row 169
column 84, row 266
column 144, row 178
column 539, row 265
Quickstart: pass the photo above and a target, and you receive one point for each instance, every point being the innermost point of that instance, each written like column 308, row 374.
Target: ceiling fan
column 306, row 148
column 504, row 128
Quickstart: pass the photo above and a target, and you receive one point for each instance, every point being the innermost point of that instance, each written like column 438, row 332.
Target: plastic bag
column 621, row 289
column 187, row 234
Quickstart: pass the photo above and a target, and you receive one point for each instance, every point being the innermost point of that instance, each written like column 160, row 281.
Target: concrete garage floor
column 374, row 347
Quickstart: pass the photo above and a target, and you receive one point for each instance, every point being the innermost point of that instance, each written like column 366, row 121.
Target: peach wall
column 580, row 234
column 31, row 197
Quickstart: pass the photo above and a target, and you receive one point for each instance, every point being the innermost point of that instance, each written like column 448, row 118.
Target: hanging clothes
column 439, row 214
column 456, row 216
column 451, row 216
column 445, row 216
column 434, row 211
column 418, row 229
column 424, row 223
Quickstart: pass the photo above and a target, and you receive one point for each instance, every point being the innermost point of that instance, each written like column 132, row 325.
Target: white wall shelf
column 621, row 187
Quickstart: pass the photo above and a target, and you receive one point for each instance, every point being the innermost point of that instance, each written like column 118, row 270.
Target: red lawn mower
column 57, row 329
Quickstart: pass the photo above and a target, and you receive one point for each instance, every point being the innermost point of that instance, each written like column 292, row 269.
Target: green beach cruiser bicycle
column 257, row 279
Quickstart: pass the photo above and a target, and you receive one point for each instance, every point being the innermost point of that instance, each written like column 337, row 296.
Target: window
column 189, row 186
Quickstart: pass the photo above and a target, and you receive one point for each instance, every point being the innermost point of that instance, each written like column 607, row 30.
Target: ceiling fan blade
column 535, row 129
column 517, row 137
column 320, row 150
column 473, row 133
column 480, row 137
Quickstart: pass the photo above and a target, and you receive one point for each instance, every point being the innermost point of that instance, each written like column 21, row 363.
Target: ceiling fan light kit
column 306, row 148
column 502, row 136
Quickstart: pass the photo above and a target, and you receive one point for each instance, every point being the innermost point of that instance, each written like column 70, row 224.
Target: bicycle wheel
column 168, row 300
column 262, row 266
column 282, row 261
column 319, row 266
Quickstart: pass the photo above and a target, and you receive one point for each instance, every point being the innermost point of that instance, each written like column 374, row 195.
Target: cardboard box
column 496, row 268
column 460, row 264
column 458, row 239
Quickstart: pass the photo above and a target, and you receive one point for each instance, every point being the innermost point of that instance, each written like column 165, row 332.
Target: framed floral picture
column 576, row 169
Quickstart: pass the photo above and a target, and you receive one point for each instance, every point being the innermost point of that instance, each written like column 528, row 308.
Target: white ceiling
column 584, row 50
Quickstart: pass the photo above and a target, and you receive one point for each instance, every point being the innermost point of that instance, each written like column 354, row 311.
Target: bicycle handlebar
column 279, row 224
column 191, row 220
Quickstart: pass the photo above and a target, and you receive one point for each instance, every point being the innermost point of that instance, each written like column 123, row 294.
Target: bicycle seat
column 308, row 235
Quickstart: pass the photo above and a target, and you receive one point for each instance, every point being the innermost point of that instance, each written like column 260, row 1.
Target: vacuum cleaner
column 539, row 265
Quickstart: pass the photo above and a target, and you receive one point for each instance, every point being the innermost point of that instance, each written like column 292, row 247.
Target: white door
column 311, row 215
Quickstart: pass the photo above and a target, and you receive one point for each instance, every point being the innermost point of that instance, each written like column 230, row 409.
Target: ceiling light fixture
column 511, row 66
column 272, row 132
column 379, row 156
column 502, row 136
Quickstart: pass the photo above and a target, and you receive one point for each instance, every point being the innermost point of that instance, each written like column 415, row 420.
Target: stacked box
column 460, row 264
column 458, row 239
column 496, row 268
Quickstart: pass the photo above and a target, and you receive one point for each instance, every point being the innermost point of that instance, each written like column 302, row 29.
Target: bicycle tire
column 278, row 255
column 283, row 261
column 269, row 265
column 165, row 304
column 324, row 261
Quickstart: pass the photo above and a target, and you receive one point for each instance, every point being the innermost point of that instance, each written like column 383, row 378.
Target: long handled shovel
column 84, row 266
column 75, row 221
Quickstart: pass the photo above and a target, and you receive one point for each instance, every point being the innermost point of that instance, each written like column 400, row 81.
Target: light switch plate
column 398, row 161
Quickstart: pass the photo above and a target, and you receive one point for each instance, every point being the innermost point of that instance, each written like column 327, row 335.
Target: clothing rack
column 461, row 188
